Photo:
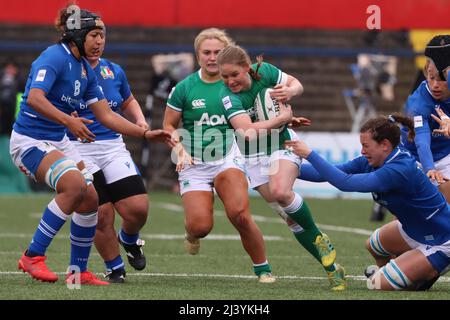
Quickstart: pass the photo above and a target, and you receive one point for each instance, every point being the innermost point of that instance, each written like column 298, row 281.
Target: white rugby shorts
column 201, row 175
column 110, row 156
column 21, row 144
column 259, row 168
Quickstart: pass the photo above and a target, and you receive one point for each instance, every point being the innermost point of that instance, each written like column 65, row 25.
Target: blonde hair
column 426, row 66
column 429, row 63
column 234, row 54
column 211, row 33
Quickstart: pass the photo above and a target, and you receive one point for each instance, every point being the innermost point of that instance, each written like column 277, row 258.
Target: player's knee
column 136, row 217
column 89, row 201
column 134, row 211
column 74, row 190
column 141, row 216
column 139, row 212
column 199, row 230
column 280, row 195
column 241, row 219
column 105, row 217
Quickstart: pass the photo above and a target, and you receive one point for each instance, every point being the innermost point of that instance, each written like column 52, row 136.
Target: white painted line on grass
column 220, row 213
column 259, row 218
column 35, row 215
column 225, row 276
column 154, row 236
column 345, row 229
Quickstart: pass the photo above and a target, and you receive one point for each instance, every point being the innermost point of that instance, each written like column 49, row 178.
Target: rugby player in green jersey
column 272, row 170
column 208, row 156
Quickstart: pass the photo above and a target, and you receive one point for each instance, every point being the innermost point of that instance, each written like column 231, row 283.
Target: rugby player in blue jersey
column 414, row 250
column 439, row 53
column 438, row 50
column 59, row 79
column 117, row 180
column 431, row 150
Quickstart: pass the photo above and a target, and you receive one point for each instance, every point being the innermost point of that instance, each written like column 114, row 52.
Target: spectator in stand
column 10, row 85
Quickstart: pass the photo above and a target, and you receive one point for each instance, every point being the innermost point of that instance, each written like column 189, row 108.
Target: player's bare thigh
column 232, row 188
column 391, row 239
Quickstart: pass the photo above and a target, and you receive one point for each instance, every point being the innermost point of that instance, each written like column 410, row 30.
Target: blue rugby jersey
column 113, row 81
column 399, row 185
column 66, row 81
column 427, row 147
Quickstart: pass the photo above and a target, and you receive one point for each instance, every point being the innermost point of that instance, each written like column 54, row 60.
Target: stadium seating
column 319, row 58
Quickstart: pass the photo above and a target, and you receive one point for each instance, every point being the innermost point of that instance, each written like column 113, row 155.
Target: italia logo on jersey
column 41, row 75
column 418, row 121
column 106, row 72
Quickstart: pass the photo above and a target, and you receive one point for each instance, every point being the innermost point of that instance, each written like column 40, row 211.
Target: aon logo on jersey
column 214, row 120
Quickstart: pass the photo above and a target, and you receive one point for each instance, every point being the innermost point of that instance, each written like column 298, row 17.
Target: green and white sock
column 299, row 211
column 262, row 268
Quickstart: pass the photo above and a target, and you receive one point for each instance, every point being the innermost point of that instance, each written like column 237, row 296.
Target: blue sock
column 51, row 222
column 114, row 264
column 128, row 238
column 82, row 231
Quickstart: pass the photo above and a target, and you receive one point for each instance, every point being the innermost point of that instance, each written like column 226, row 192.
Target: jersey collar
column 66, row 48
column 394, row 154
column 203, row 80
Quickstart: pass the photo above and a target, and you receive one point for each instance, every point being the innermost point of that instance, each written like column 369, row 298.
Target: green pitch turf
column 221, row 271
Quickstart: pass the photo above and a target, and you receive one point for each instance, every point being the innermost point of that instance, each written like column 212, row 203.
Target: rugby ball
column 266, row 107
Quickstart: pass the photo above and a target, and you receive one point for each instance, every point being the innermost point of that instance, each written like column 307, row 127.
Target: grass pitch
column 222, row 270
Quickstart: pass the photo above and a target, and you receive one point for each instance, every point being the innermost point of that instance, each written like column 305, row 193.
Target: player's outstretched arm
column 132, row 111
column 117, row 123
column 179, row 155
column 444, row 123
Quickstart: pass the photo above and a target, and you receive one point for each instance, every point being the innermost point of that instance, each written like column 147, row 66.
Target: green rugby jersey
column 207, row 135
column 237, row 103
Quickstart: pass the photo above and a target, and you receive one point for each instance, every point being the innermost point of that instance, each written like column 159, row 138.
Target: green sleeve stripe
column 174, row 108
column 236, row 113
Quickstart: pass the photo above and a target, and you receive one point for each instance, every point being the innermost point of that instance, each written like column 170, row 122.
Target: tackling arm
column 362, row 182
